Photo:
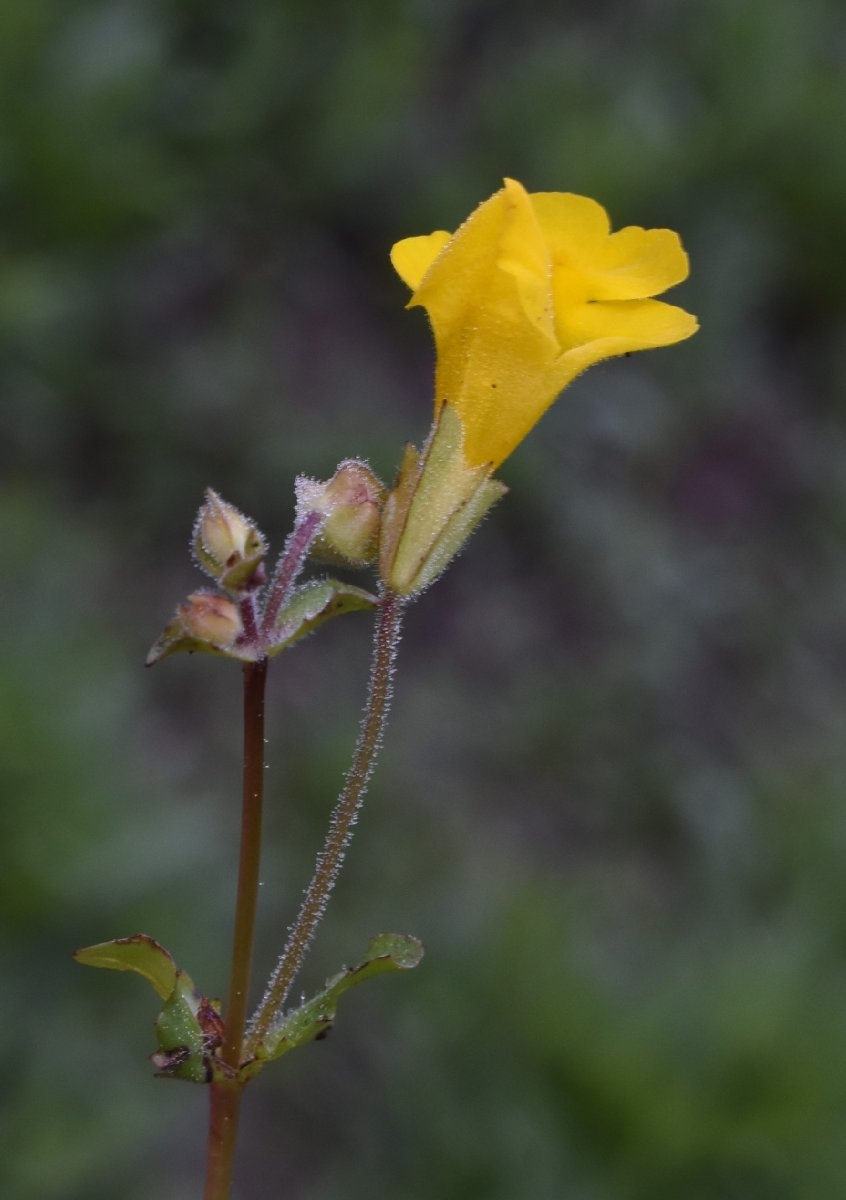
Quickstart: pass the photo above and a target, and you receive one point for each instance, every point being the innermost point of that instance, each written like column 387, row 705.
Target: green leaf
column 189, row 1029
column 387, row 952
column 139, row 953
column 314, row 603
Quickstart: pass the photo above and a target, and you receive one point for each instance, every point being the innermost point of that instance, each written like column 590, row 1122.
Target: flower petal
column 413, row 256
column 529, row 291
column 524, row 255
column 629, row 325
column 499, row 375
column 489, row 299
column 575, row 227
column 458, row 279
column 635, row 263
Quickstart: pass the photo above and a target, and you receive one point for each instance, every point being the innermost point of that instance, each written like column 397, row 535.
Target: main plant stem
column 225, row 1095
column 343, row 819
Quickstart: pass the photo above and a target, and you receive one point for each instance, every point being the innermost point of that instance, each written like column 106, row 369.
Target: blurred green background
column 612, row 798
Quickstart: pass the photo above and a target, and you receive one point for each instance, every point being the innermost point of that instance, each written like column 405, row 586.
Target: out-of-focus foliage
column 612, row 799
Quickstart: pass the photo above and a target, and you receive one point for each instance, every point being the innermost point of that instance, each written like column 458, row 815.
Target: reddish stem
column 225, row 1095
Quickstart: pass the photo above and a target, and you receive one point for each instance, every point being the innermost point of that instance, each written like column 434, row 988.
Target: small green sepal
column 436, row 503
column 315, row 603
column 314, row 1018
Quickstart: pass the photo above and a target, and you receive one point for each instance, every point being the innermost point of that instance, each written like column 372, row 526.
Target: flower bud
column 351, row 502
column 227, row 545
column 206, row 621
column 207, row 617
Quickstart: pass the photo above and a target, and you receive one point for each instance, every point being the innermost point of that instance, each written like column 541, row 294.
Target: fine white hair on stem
column 342, row 822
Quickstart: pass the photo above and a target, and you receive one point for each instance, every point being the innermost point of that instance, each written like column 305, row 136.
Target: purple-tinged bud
column 351, row 502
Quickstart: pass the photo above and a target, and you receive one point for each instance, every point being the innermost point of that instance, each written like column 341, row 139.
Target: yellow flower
column 530, row 291
column 526, row 294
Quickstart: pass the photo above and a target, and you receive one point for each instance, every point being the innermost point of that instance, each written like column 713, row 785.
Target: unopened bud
column 206, row 621
column 227, row 545
column 351, row 501
column 207, row 617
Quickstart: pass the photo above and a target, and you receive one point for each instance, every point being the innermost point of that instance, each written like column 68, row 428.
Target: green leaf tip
column 314, row 1018
column 138, row 953
column 404, row 951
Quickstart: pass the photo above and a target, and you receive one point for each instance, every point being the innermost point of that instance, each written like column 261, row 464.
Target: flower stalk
column 291, row 563
column 330, row 859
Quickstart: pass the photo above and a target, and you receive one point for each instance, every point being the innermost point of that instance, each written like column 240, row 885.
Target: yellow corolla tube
column 527, row 293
